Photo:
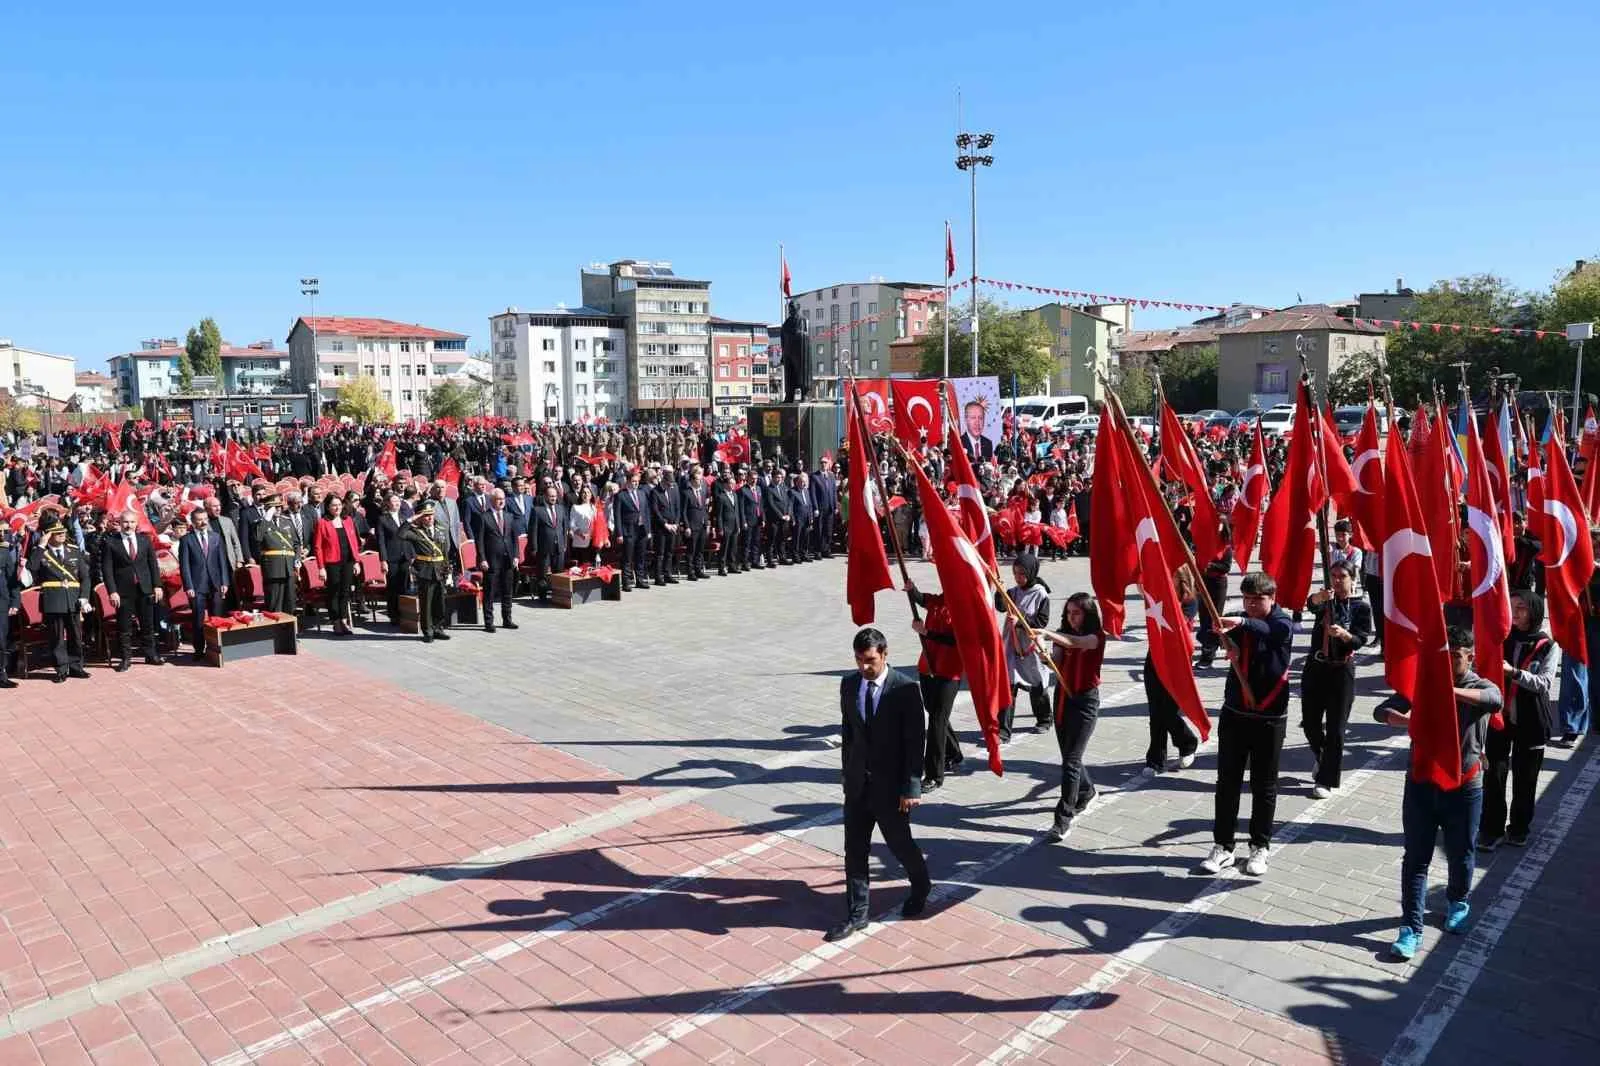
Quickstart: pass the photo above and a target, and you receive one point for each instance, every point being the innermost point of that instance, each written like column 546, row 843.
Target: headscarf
column 1028, row 563
column 1535, row 604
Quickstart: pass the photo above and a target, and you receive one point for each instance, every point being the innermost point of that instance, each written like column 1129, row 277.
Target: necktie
column 552, row 515
column 130, row 549
column 204, row 544
column 500, row 521
column 872, row 700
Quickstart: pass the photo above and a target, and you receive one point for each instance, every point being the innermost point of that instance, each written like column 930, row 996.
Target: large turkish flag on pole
column 1491, row 593
column 1178, row 452
column 1289, row 544
column 916, row 412
column 874, row 394
column 1165, row 627
column 866, row 563
column 1113, row 559
column 966, row 592
column 969, row 500
column 1366, row 503
column 1342, row 485
column 1249, row 501
column 1566, row 552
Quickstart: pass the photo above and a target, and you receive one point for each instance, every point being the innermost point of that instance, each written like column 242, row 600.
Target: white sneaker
column 1321, row 793
column 1256, row 864
column 1149, row 771
column 1186, row 761
column 1219, row 860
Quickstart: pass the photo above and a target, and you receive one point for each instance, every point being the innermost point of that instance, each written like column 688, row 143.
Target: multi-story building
column 30, row 376
column 327, row 352
column 95, row 392
column 1258, row 362
column 667, row 339
column 152, row 371
column 852, row 325
column 566, row 365
column 735, row 385
column 777, row 392
column 1081, row 343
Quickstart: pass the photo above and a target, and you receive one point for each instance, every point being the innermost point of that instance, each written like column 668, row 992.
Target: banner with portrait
column 975, row 410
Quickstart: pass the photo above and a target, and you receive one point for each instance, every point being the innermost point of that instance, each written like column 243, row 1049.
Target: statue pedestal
column 803, row 430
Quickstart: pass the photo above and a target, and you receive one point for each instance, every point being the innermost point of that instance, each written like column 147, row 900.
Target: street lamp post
column 310, row 287
column 969, row 145
column 1577, row 333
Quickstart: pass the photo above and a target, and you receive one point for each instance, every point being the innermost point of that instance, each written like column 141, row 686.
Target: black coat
column 883, row 756
column 497, row 544
column 126, row 576
column 729, row 513
column 696, row 506
column 631, row 509
column 547, row 537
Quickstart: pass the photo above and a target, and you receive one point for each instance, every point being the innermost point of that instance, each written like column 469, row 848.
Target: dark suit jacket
column 824, row 493
column 390, row 526
column 729, row 518
column 472, row 513
column 980, row 449
column 206, row 572
column 632, row 512
column 547, row 538
column 696, row 505
column 883, row 756
column 664, row 509
column 497, row 547
column 776, row 503
column 126, row 576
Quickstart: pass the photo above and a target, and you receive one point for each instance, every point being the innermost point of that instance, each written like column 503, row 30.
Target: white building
column 152, row 371
column 95, row 392
column 28, row 375
column 560, row 366
column 329, row 351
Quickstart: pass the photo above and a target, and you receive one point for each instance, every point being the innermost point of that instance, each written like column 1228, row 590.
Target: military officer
column 427, row 551
column 278, row 552
column 61, row 574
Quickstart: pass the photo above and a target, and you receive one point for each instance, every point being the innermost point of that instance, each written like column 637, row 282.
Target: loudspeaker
column 801, row 430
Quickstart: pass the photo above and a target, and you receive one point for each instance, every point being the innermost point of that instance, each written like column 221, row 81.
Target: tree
column 363, row 403
column 1137, row 390
column 1574, row 298
column 455, row 400
column 203, row 349
column 1009, row 344
column 1189, row 377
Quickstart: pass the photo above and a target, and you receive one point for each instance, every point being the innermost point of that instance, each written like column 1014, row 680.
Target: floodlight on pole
column 969, row 144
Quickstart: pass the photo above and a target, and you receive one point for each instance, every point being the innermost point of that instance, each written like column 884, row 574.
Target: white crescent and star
column 1146, row 531
column 1370, row 455
column 967, row 492
column 1401, row 545
column 911, row 406
column 1255, row 470
column 1485, row 529
column 1569, row 528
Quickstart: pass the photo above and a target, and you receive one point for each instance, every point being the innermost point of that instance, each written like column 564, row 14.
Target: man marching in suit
column 883, row 728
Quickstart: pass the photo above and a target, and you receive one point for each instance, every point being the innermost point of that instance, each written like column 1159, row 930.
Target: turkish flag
column 1341, row 479
column 969, row 499
column 1565, row 551
column 784, row 280
column 600, row 529
column 1588, row 448
column 219, row 460
column 1247, row 504
column 916, row 411
column 949, row 253
column 1416, row 660
column 1366, row 504
column 1166, row 628
column 386, row 461
column 450, row 474
column 1113, row 559
column 1289, row 543
column 1491, row 593
column 1499, row 466
column 1177, row 450
column 239, row 463
column 874, row 393
column 736, row 449
column 966, row 593
column 866, row 563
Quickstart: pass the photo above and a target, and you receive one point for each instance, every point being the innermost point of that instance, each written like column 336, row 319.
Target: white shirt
column 877, row 695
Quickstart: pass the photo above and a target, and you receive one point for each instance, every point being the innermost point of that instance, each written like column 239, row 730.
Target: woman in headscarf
column 1530, row 720
column 1080, row 647
column 1032, row 598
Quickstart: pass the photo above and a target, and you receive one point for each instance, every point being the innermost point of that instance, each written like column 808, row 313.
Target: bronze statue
column 796, row 355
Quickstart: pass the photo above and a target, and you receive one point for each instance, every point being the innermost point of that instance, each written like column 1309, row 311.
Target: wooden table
column 265, row 636
column 460, row 609
column 567, row 591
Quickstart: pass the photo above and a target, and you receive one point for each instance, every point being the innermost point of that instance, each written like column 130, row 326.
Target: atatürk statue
column 796, row 354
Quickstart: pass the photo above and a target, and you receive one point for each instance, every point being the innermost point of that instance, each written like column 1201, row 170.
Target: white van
column 1036, row 411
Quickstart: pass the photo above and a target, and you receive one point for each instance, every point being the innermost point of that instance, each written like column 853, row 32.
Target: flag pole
column 947, row 247
column 1320, row 458
column 883, row 493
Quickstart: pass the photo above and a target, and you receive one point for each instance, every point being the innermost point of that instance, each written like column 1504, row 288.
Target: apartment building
column 327, row 352
column 737, row 349
column 852, row 325
column 667, row 343
column 30, row 376
column 152, row 372
column 566, row 365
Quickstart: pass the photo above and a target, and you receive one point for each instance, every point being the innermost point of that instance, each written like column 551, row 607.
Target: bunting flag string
column 1459, row 327
column 1097, row 297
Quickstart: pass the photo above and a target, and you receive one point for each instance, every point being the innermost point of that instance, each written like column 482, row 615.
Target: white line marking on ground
column 1119, row 966
column 1417, row 1040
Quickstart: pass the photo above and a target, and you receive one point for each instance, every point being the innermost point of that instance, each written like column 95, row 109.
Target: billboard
column 977, row 416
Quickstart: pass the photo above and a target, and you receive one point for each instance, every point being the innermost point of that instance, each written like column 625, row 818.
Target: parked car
column 1278, row 421
column 1211, row 412
column 1221, row 418
column 1348, row 419
column 1246, row 418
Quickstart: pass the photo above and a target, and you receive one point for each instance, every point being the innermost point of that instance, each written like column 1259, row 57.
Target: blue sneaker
column 1456, row 917
column 1406, row 944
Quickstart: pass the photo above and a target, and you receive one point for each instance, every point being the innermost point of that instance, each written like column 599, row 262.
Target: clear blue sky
column 165, row 162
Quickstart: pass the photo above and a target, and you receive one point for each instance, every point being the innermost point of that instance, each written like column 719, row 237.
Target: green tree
column 203, row 349
column 1574, row 298
column 1009, row 344
column 456, row 400
column 1136, row 388
column 363, row 403
column 1189, row 377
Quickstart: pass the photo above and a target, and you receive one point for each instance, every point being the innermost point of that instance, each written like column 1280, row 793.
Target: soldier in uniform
column 61, row 573
column 1328, row 678
column 427, row 553
column 279, row 555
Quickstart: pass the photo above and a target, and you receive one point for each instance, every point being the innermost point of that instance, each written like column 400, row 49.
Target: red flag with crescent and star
column 949, row 253
column 916, row 412
column 1249, row 501
column 969, row 500
column 1494, row 457
column 866, row 562
column 1341, row 479
column 1366, row 503
column 874, row 393
column 1113, row 560
column 1289, row 542
column 1180, row 457
column 1491, row 593
column 1565, row 551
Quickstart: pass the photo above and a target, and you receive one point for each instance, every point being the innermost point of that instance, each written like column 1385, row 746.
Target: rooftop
column 349, row 326
column 258, row 350
column 1164, row 340
column 1301, row 317
column 90, row 377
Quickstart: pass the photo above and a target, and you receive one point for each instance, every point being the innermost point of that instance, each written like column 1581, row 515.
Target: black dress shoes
column 440, row 634
column 155, row 660
column 6, row 682
column 509, row 624
column 124, row 666
column 915, row 904
column 78, row 671
column 844, row 929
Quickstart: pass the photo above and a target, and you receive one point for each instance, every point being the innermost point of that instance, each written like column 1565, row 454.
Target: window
column 822, row 368
column 405, row 346
column 367, row 371
column 872, row 326
column 744, row 371
column 387, row 369
column 405, row 370
column 855, row 290
column 872, row 364
column 722, row 351
column 872, row 346
column 835, row 293
column 819, row 295
column 581, row 366
column 405, row 395
column 580, row 344
column 872, row 307
column 1272, row 378
column 724, row 391
column 1338, row 344
column 855, row 311
column 549, row 366
column 336, row 346
column 422, row 370
column 583, row 390
column 744, row 350
column 338, row 370
column 384, row 347
column 548, row 344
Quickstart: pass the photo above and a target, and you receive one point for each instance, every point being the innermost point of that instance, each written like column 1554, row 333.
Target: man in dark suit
column 248, row 517
column 883, row 731
column 547, row 538
column 128, row 566
column 696, row 503
column 750, row 514
column 979, row 449
column 497, row 558
column 804, row 512
column 392, row 554
column 204, row 570
column 474, row 507
column 777, row 508
column 666, row 517
column 520, row 503
column 10, row 604
column 631, row 517
column 730, row 524
column 825, row 500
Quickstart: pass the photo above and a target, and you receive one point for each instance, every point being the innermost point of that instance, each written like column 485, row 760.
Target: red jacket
column 325, row 543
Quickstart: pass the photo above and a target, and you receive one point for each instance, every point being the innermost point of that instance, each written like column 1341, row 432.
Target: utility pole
column 969, row 144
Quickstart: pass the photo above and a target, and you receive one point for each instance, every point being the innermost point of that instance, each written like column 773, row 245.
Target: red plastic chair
column 108, row 619
column 180, row 612
column 313, row 591
column 252, row 588
column 374, row 585
column 32, row 632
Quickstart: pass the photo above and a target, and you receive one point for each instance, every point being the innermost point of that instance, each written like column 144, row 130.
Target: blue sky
column 159, row 163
